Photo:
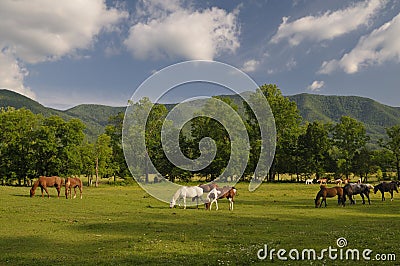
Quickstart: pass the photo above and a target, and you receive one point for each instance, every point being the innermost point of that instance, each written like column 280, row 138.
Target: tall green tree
column 313, row 148
column 349, row 136
column 287, row 123
column 114, row 130
column 102, row 153
column 393, row 145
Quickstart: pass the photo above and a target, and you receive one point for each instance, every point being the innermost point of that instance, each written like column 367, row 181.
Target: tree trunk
column 97, row 172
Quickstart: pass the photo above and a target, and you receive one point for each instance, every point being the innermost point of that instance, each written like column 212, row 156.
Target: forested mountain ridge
column 312, row 107
column 375, row 116
column 94, row 116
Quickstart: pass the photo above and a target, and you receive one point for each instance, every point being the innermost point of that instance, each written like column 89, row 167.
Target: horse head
column 317, row 202
column 32, row 192
column 172, row 203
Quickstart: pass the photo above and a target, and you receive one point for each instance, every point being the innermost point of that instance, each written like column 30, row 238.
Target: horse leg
column 369, row 201
column 74, row 192
column 231, row 204
column 42, row 192
column 383, row 195
column 391, row 195
column 48, row 194
column 58, row 191
column 362, row 196
column 184, row 202
column 216, row 204
column 80, row 189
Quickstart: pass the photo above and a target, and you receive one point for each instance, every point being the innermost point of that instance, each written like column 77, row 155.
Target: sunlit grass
column 124, row 225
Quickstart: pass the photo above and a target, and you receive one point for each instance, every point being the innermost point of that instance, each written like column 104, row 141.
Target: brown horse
column 72, row 182
column 328, row 193
column 43, row 182
column 208, row 187
column 386, row 187
column 229, row 193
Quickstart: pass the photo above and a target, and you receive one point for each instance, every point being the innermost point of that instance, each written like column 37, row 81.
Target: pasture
column 124, row 225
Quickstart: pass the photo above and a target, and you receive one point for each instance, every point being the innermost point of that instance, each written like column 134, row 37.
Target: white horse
column 309, row 181
column 187, row 192
column 212, row 197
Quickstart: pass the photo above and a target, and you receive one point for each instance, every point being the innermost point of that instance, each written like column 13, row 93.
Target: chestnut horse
column 72, row 182
column 386, row 187
column 229, row 193
column 43, row 182
column 329, row 193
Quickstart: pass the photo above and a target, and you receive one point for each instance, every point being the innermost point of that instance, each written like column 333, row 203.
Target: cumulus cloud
column 328, row 25
column 316, row 85
column 168, row 29
column 250, row 65
column 41, row 30
column 381, row 45
column 12, row 75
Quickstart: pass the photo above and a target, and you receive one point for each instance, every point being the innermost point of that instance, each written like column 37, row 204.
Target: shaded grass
column 124, row 225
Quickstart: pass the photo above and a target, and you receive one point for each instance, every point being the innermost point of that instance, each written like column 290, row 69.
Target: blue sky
column 64, row 53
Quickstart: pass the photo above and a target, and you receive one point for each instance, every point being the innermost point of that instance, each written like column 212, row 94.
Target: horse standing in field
column 309, row 181
column 211, row 198
column 354, row 189
column 229, row 193
column 43, row 182
column 72, row 182
column 386, row 187
column 195, row 193
column 329, row 193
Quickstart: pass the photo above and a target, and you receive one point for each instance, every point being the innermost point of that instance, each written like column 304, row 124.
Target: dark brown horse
column 72, row 182
column 386, row 187
column 325, row 192
column 43, row 182
column 352, row 189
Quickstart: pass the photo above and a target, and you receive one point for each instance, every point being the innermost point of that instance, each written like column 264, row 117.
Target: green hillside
column 95, row 117
column 374, row 115
column 312, row 107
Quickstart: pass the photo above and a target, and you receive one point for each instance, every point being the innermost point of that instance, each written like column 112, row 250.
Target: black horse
column 354, row 189
column 386, row 187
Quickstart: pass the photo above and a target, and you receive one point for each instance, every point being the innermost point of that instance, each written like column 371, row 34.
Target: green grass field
column 124, row 225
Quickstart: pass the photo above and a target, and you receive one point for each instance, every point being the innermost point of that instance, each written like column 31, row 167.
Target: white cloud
column 381, row 45
column 43, row 30
column 167, row 29
column 12, row 75
column 316, row 85
column 328, row 25
column 250, row 65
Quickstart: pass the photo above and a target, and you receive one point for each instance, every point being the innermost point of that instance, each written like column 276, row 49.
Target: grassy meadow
column 117, row 225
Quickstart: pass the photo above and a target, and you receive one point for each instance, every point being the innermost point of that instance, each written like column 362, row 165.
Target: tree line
column 32, row 145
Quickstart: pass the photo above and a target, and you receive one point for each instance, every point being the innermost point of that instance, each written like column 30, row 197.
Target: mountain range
column 312, row 107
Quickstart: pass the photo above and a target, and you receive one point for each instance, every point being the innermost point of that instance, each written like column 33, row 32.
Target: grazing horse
column 187, row 192
column 328, row 193
column 43, row 182
column 72, row 182
column 208, row 187
column 229, row 193
column 211, row 198
column 354, row 189
column 322, row 181
column 386, row 187
column 309, row 181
